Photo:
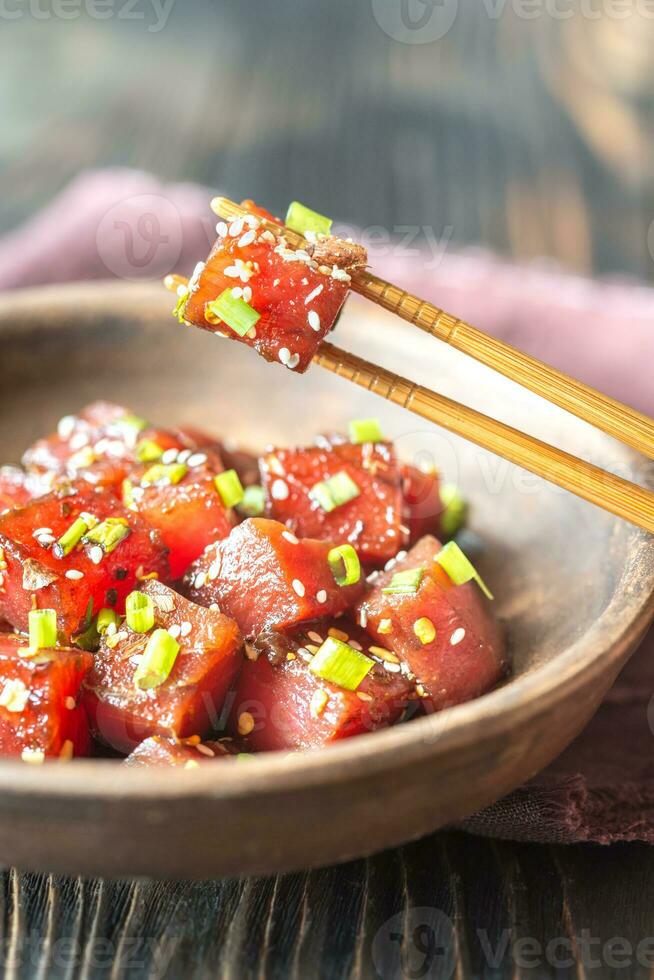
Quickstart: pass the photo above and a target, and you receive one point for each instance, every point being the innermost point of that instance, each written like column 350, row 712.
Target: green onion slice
column 365, row 430
column 454, row 510
column 70, row 538
column 108, row 534
column 180, row 308
column 139, row 612
column 229, row 487
column 340, row 664
column 235, row 312
column 106, row 617
column 147, row 451
column 157, row 661
column 42, row 629
column 303, row 219
column 161, row 472
column 334, row 492
column 406, row 582
column 132, row 424
column 345, row 565
column 253, row 503
column 459, row 568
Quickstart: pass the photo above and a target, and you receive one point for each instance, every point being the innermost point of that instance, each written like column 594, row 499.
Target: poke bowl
column 573, row 591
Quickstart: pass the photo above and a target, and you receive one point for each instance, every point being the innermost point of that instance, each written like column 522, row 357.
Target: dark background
column 528, row 133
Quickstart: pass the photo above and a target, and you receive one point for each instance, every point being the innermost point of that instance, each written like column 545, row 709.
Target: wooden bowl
column 574, row 585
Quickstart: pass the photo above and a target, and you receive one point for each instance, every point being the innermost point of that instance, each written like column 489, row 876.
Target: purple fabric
column 127, row 224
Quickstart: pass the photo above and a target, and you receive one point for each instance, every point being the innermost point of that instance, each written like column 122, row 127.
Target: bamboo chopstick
column 612, row 493
column 617, row 420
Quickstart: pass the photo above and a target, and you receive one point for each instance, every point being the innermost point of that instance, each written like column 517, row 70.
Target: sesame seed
column 247, row 294
column 319, row 702
column 186, row 628
column 312, row 295
column 363, row 618
column 42, row 532
column 289, row 537
column 316, row 637
column 200, row 580
column 214, row 607
column 111, row 630
column 232, row 272
column 284, row 355
column 221, row 229
column 214, row 571
column 197, row 459
column 246, row 239
column 236, row 228
column 74, row 574
column 237, row 292
column 298, row 587
column 79, row 440
column 205, row 750
column 245, row 723
column 66, row 426
column 338, row 634
column 70, row 703
column 355, row 644
column 363, row 696
column 169, row 456
column 382, row 653
column 314, row 320
column 96, row 554
column 391, row 667
column 321, row 596
column 279, row 490
column 457, row 636
column 175, row 630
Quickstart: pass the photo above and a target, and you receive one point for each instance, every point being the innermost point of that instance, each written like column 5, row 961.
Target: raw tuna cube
column 90, row 575
column 446, row 634
column 372, row 521
column 281, row 704
column 39, row 714
column 423, row 504
column 265, row 577
column 189, row 701
column 179, row 498
column 185, row 753
column 297, row 298
column 14, row 488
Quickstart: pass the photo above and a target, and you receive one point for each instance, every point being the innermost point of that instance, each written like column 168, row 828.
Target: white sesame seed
column 74, row 574
column 111, row 630
column 214, row 571
column 312, row 295
column 314, row 320
column 96, row 554
column 316, row 637
column 293, row 361
column 363, row 619
column 391, row 667
column 247, row 293
column 200, row 580
column 276, row 282
column 185, row 628
column 45, row 540
column 232, row 272
column 214, row 607
column 457, row 636
column 221, row 229
column 197, row 459
column 236, row 227
column 237, row 292
column 42, row 532
column 205, row 750
column 79, row 440
column 279, row 490
column 169, row 456
column 298, row 587
column 289, row 537
column 183, row 457
column 305, row 654
column 174, row 630
column 66, row 426
column 321, row 596
column 284, row 355
column 355, row 644
column 246, row 239
column 70, row 703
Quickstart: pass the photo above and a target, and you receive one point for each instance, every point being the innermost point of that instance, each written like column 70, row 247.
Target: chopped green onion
column 406, row 582
column 147, row 451
column 340, row 664
column 42, row 628
column 229, row 487
column 171, row 473
column 253, row 503
column 345, row 565
column 108, row 534
column 105, row 618
column 132, row 423
column 139, row 612
column 303, row 219
column 157, row 661
column 70, row 538
column 454, row 509
column 365, row 430
column 337, row 490
column 459, row 568
column 180, row 308
column 236, row 313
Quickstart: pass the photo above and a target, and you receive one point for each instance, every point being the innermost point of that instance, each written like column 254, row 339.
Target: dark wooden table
column 518, row 129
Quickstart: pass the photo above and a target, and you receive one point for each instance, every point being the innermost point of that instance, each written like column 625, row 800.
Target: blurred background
column 521, row 126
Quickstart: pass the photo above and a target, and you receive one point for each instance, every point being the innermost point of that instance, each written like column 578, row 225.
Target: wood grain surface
column 529, row 136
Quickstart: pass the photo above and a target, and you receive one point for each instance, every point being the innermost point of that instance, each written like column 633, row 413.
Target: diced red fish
column 80, row 583
column 264, row 577
column 39, row 712
column 466, row 655
column 281, row 704
column 189, row 701
column 423, row 504
column 372, row 522
column 297, row 298
column 161, row 752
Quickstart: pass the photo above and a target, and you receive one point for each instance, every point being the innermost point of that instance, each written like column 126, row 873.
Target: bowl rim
column 604, row 646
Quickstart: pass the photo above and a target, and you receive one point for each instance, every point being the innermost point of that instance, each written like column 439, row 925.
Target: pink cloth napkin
column 125, row 223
